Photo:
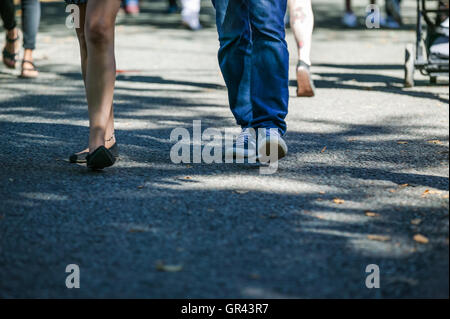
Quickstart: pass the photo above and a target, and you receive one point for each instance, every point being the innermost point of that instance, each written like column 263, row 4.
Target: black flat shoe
column 81, row 157
column 100, row 158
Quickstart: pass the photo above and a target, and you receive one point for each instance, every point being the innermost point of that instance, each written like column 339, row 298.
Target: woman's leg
column 302, row 24
column 31, row 16
column 109, row 133
column 100, row 69
column 7, row 12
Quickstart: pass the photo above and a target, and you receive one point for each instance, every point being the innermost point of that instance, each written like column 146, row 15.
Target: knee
column 268, row 31
column 99, row 33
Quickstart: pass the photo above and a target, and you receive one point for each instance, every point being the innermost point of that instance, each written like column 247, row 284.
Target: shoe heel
column 100, row 159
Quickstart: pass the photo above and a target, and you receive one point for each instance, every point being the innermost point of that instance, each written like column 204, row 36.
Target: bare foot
column 29, row 70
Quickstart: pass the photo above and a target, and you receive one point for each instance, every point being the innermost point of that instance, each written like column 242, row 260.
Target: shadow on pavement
column 258, row 242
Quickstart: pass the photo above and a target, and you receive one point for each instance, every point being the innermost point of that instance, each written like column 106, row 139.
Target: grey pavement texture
column 364, row 144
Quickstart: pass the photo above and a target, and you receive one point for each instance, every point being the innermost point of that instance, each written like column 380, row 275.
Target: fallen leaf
column 379, row 237
column 402, row 142
column 431, row 192
column 168, row 268
column 338, row 201
column 141, row 186
column 392, row 190
column 188, row 177
column 372, row 214
column 322, row 193
column 403, row 185
column 323, row 149
column 435, row 142
column 416, row 221
column 421, row 239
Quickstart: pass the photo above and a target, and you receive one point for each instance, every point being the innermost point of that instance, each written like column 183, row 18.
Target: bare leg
column 101, row 66
column 302, row 24
column 105, row 91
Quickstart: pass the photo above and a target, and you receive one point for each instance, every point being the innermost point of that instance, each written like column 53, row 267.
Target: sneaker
column 271, row 140
column 192, row 24
column 244, row 147
column 305, row 84
column 350, row 20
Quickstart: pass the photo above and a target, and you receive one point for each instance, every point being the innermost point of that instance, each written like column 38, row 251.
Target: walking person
column 302, row 24
column 31, row 15
column 98, row 65
column 254, row 60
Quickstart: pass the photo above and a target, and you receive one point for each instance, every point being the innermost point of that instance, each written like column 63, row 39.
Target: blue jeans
column 254, row 60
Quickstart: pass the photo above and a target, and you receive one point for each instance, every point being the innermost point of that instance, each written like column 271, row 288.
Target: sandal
column 10, row 56
column 29, row 73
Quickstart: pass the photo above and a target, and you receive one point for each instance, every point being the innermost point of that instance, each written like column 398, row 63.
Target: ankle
column 96, row 139
column 110, row 141
column 12, row 34
column 28, row 55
